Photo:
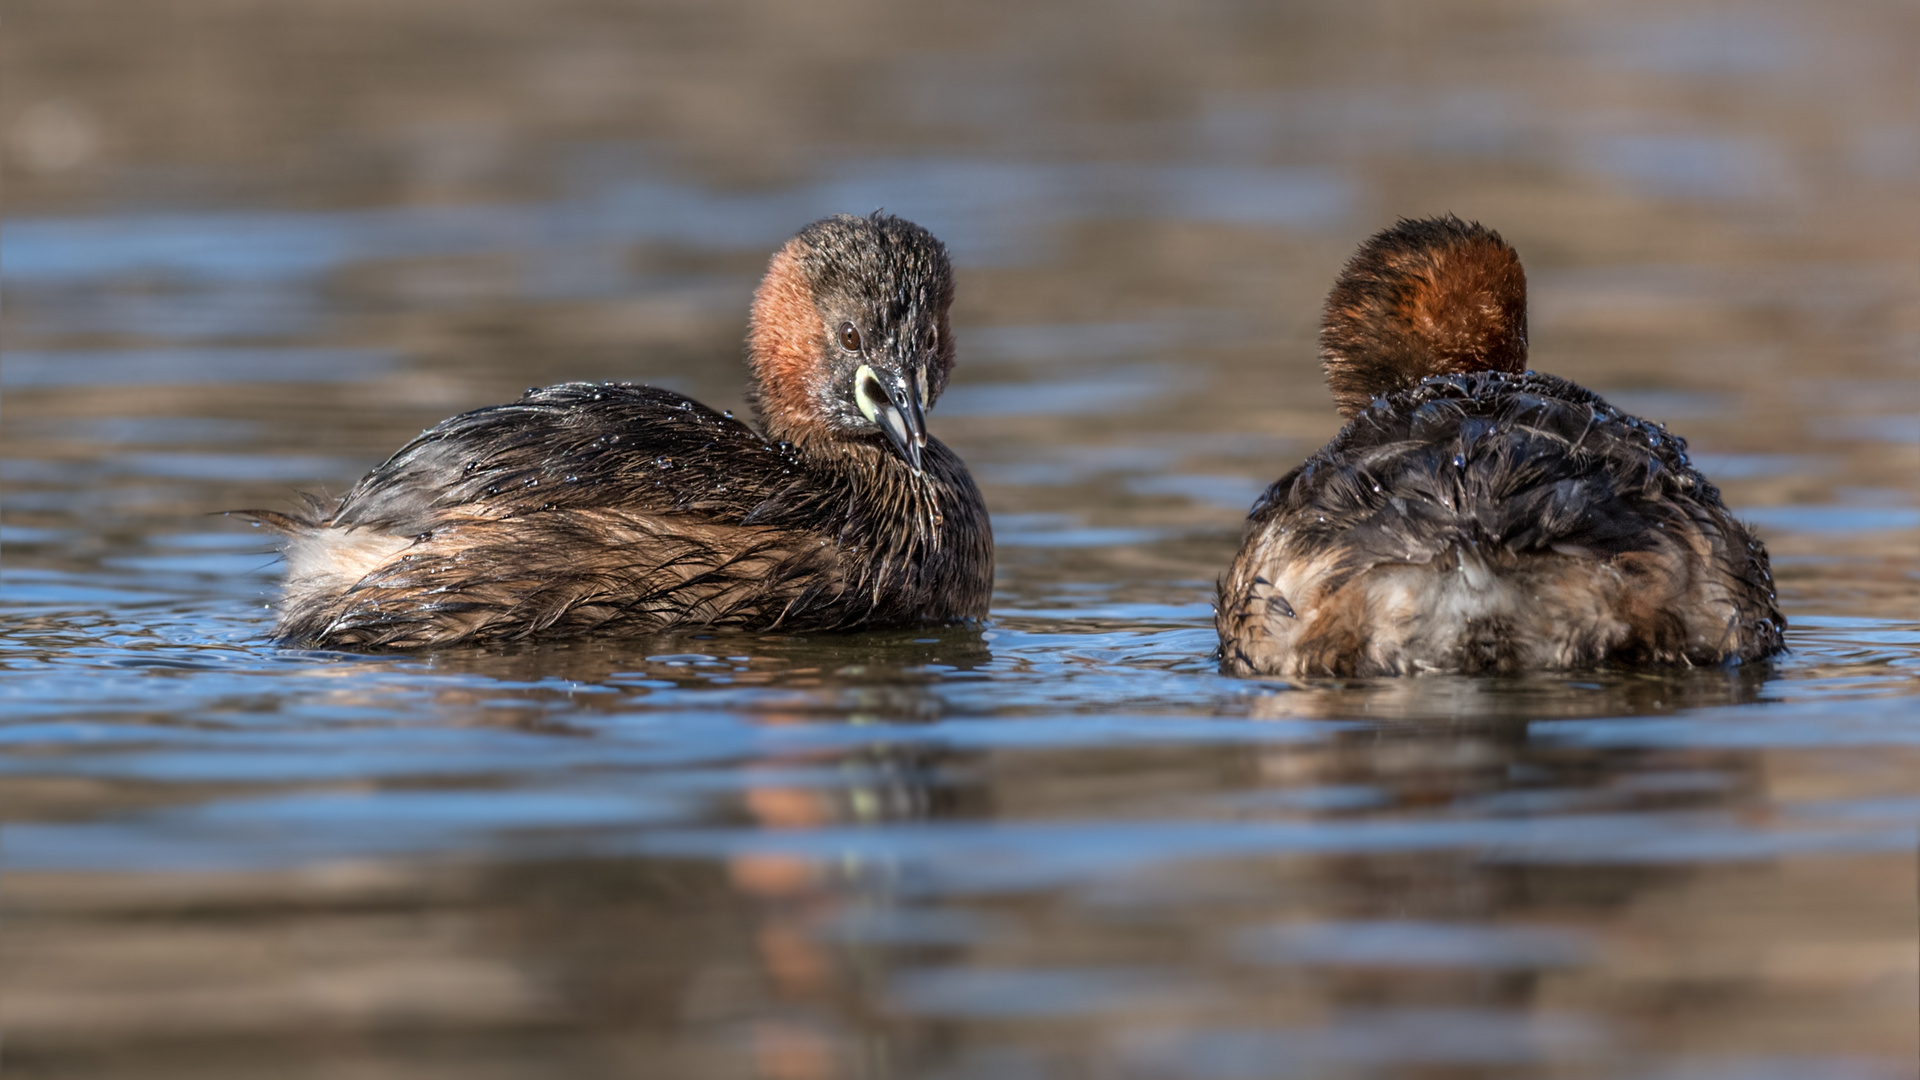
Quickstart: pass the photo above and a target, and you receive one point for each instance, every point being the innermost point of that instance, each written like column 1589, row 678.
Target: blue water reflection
column 992, row 212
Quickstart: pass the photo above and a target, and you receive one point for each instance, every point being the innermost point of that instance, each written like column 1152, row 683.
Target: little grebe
column 1474, row 516
column 615, row 509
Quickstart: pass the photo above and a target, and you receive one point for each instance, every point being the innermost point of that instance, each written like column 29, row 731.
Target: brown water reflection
column 251, row 247
column 766, row 964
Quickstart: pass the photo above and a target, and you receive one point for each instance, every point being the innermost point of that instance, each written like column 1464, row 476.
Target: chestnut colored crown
column 1435, row 296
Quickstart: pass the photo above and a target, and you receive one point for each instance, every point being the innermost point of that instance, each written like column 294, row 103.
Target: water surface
column 1057, row 845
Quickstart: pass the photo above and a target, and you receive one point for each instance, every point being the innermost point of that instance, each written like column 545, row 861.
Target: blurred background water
column 251, row 247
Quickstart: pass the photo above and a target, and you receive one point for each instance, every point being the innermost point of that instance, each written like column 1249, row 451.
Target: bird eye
column 849, row 337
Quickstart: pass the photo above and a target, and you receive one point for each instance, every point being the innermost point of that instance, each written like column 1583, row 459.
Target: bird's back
column 572, row 446
column 1488, row 522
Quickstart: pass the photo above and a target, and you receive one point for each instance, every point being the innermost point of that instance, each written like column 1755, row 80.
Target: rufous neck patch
column 1469, row 308
column 785, row 340
column 1424, row 298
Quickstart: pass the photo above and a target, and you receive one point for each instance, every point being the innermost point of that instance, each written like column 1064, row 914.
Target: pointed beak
column 892, row 402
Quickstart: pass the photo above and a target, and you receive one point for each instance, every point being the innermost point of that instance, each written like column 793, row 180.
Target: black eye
column 849, row 337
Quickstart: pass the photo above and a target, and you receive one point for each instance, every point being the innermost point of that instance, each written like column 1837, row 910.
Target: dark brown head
column 849, row 335
column 1429, row 297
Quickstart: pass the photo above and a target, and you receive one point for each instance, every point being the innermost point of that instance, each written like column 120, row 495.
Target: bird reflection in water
column 798, row 899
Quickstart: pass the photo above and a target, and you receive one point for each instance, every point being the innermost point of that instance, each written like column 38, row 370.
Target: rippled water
column 250, row 251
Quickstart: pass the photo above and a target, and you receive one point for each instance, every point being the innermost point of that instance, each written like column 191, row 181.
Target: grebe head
column 1429, row 297
column 849, row 334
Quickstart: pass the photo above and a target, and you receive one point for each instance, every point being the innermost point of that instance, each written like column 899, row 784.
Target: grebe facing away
column 607, row 509
column 1474, row 516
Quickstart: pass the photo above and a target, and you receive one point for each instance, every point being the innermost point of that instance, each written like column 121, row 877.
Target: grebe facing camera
column 1476, row 517
column 615, row 509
